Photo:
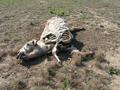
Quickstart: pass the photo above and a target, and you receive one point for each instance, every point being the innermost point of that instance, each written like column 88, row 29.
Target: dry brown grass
column 3, row 53
column 75, row 59
column 18, row 85
column 101, row 62
column 24, row 20
column 35, row 88
column 13, row 51
column 36, row 81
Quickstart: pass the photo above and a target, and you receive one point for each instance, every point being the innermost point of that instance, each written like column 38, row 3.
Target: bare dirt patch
column 98, row 26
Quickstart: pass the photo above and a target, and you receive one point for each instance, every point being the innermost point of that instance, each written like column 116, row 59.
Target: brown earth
column 99, row 30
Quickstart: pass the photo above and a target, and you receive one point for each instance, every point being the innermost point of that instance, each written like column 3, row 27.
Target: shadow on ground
column 63, row 55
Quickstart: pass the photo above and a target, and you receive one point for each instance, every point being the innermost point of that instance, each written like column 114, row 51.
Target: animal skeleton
column 55, row 35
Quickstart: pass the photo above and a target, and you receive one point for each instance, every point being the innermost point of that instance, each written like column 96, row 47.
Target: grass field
column 23, row 20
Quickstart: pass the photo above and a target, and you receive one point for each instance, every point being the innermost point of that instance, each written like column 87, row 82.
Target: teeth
column 19, row 55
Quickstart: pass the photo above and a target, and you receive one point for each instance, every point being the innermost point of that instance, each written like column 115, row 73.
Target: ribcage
column 57, row 31
column 66, row 37
column 65, row 40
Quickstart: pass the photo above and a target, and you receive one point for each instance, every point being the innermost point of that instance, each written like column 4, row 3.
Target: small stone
column 106, row 33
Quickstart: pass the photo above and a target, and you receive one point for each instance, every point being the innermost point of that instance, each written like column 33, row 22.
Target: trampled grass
column 23, row 20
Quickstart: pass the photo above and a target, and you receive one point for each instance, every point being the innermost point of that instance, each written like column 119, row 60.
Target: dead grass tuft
column 60, row 76
column 18, row 85
column 51, row 72
column 101, row 62
column 13, row 51
column 36, row 81
column 100, row 57
column 3, row 53
column 53, row 66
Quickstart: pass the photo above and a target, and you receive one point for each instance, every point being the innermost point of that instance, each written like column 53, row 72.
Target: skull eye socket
column 29, row 48
column 23, row 54
column 28, row 44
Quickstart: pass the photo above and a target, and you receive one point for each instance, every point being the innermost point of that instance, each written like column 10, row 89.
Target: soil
column 96, row 27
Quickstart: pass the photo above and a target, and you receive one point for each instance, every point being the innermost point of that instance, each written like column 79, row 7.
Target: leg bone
column 54, row 52
column 73, row 49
